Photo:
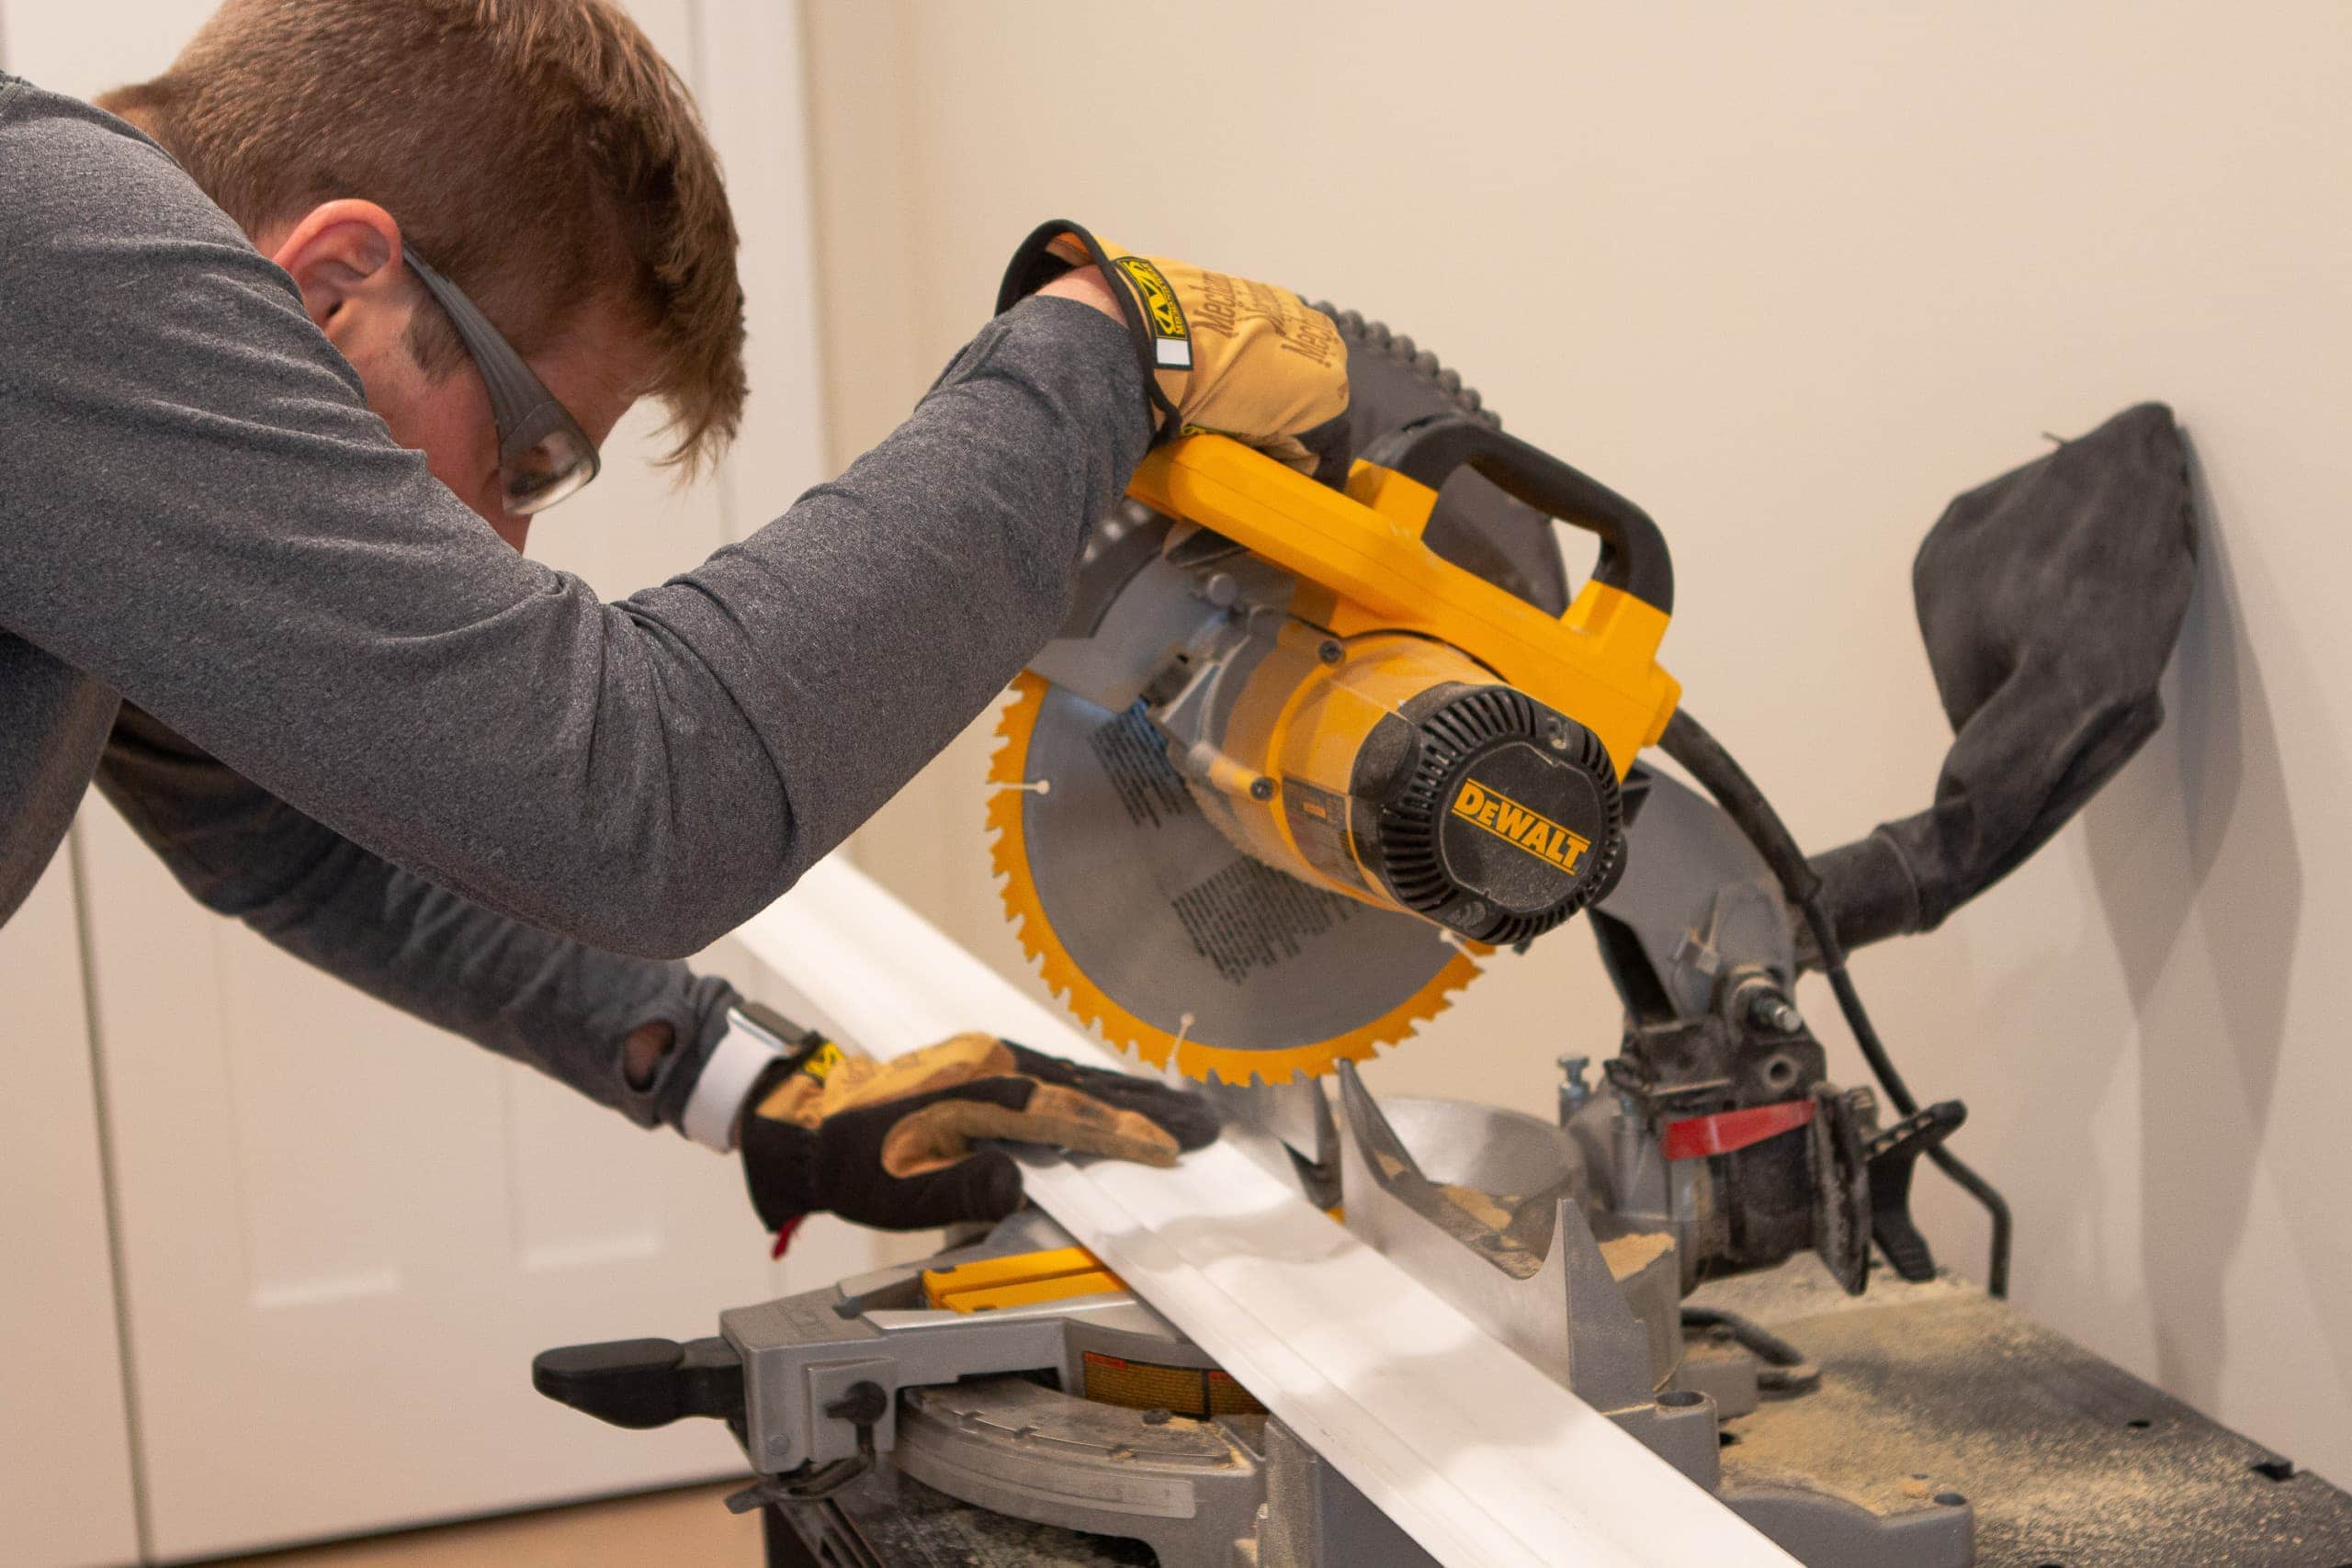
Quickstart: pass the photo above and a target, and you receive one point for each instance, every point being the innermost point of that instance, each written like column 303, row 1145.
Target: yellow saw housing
column 1408, row 736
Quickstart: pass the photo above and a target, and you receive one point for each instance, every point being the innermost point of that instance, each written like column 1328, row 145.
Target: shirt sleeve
column 198, row 508
column 545, row 1001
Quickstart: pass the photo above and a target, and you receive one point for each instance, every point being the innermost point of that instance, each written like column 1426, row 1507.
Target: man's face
column 343, row 257
column 450, row 419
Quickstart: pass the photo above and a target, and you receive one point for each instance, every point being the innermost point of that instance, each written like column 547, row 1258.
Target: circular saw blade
column 1150, row 925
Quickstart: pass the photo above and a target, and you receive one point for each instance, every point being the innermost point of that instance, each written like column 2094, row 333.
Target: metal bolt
column 1220, row 590
column 1262, row 788
column 1574, row 1093
column 1770, row 1010
column 1330, row 653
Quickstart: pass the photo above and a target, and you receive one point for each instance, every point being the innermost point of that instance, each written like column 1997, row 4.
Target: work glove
column 891, row 1143
column 1218, row 353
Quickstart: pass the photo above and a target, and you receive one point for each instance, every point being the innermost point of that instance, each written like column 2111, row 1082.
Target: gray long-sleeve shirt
column 198, row 514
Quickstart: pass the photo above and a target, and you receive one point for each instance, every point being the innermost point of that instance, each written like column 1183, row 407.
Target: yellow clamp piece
column 1021, row 1280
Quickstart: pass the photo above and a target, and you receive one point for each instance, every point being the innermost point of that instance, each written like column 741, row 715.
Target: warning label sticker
column 1250, row 915
column 1134, row 758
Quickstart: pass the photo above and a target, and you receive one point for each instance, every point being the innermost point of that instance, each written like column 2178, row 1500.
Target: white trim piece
column 1481, row 1460
column 734, row 1064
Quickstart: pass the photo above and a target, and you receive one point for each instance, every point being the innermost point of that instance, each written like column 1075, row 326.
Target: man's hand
column 891, row 1143
column 1218, row 353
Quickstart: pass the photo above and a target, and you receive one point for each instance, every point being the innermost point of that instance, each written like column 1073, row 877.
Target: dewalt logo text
column 1517, row 825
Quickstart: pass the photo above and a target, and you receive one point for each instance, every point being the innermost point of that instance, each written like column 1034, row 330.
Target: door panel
column 66, row 1489
column 345, row 1234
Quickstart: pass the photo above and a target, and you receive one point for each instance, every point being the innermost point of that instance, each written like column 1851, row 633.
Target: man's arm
column 197, row 507
column 631, row 1034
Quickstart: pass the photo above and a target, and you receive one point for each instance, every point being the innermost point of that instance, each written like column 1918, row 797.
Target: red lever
column 1727, row 1130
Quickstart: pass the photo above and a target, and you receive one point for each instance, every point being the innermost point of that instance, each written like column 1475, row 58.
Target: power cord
column 1689, row 743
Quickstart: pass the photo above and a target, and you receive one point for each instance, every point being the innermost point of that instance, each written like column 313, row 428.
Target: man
column 276, row 384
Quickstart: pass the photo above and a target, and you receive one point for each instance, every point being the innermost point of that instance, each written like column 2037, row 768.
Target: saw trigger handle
column 1634, row 556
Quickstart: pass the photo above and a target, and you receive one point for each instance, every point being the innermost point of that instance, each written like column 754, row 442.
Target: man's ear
column 343, row 254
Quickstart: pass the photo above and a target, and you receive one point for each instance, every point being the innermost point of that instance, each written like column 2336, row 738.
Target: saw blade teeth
column 1113, row 1024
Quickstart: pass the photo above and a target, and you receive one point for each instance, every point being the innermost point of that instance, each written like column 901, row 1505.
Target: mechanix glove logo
column 1172, row 337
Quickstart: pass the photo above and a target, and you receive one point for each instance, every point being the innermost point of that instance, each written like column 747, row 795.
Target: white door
column 65, row 1495
column 343, row 1235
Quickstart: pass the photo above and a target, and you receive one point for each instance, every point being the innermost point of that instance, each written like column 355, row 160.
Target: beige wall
column 1791, row 276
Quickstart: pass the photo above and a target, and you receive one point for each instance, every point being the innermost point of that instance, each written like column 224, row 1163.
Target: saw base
column 2042, row 1436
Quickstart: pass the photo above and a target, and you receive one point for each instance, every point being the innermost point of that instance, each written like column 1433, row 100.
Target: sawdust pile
column 2068, row 1460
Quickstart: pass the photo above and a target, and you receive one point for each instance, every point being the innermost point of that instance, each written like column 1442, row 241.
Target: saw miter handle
column 1363, row 567
column 1633, row 556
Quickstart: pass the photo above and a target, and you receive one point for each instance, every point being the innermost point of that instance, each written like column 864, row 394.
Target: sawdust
column 1629, row 1255
column 1802, row 1287
column 1880, row 1455
column 1478, row 1206
column 2068, row 1460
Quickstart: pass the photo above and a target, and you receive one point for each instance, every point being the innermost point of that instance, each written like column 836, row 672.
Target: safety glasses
column 543, row 455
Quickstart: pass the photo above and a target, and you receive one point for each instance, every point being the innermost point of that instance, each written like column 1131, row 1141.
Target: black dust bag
column 2050, row 600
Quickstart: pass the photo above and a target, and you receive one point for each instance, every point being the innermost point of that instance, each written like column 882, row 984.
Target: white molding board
column 1484, row 1462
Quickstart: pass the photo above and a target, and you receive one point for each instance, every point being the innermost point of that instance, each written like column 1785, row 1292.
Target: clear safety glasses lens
column 544, row 460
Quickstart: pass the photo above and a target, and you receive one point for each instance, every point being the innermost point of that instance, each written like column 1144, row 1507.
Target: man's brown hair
column 540, row 153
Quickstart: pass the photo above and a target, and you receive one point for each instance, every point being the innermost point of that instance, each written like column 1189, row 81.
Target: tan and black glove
column 1219, row 352
column 891, row 1143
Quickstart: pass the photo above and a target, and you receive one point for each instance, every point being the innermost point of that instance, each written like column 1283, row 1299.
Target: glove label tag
column 822, row 1061
column 1173, row 337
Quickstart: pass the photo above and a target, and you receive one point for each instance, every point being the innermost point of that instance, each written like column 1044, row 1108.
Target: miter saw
column 1289, row 770
column 1300, row 758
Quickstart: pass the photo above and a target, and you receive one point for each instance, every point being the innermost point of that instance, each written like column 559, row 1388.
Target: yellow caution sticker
column 1196, row 1392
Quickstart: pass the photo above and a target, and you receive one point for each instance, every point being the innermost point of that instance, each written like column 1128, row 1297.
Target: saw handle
column 1634, row 556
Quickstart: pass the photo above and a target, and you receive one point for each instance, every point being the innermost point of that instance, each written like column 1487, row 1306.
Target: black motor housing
column 1492, row 812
